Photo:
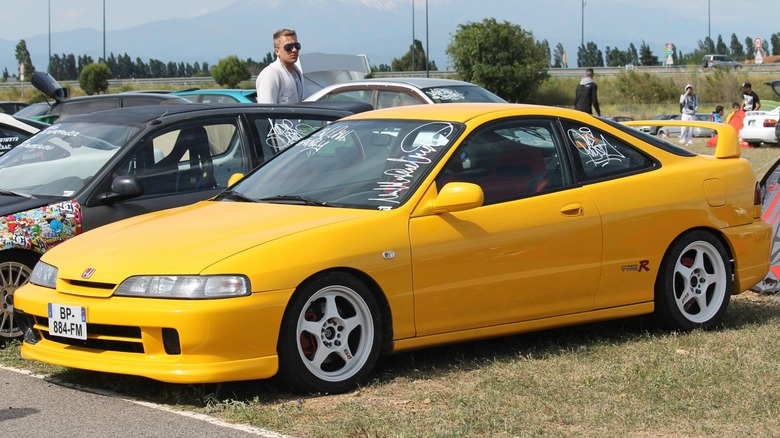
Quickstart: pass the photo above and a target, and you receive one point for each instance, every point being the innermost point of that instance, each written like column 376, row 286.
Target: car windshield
column 372, row 164
column 61, row 159
column 461, row 93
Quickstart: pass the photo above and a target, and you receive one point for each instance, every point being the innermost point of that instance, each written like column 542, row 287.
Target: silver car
column 674, row 131
column 719, row 61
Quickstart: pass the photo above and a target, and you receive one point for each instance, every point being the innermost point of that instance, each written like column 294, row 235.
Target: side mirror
column 234, row 178
column 124, row 187
column 458, row 196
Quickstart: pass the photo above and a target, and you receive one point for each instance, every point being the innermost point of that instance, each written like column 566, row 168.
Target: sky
column 606, row 22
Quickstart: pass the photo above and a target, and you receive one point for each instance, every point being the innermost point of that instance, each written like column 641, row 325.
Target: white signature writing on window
column 418, row 147
column 285, row 132
column 315, row 142
column 598, row 151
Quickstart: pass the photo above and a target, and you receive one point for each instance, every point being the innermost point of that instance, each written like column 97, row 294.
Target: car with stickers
column 400, row 229
column 92, row 169
column 14, row 130
column 389, row 92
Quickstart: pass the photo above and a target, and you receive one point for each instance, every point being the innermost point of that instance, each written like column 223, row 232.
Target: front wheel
column 330, row 336
column 694, row 285
column 662, row 134
column 15, row 270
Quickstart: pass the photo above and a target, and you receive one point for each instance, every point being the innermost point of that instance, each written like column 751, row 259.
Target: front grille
column 102, row 337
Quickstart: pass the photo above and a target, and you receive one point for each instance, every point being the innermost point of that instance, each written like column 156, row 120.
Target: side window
column 597, row 155
column 276, row 135
column 350, row 96
column 88, row 105
column 509, row 160
column 388, row 99
column 193, row 157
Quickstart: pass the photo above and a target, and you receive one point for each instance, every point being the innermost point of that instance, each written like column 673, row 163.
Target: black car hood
column 15, row 204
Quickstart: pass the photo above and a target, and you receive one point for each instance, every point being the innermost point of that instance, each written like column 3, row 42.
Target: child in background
column 717, row 115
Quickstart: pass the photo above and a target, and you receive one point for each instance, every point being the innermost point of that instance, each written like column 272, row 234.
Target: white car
column 387, row 92
column 14, row 130
column 759, row 127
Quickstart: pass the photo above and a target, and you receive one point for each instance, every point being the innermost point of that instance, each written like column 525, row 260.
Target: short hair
column 283, row 33
column 736, row 105
column 588, row 71
column 719, row 108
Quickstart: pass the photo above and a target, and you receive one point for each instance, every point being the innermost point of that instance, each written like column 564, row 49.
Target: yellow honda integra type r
column 406, row 228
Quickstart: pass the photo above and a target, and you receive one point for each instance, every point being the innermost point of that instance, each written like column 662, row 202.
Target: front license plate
column 68, row 321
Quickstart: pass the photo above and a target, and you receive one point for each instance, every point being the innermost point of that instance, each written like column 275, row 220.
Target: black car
column 65, row 106
column 92, row 169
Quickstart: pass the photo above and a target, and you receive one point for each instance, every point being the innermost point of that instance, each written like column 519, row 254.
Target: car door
column 176, row 165
column 533, row 249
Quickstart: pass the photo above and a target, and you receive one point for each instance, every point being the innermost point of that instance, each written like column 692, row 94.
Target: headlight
column 185, row 286
column 44, row 274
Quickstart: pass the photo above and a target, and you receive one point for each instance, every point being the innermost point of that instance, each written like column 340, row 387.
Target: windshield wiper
column 234, row 196
column 13, row 193
column 294, row 198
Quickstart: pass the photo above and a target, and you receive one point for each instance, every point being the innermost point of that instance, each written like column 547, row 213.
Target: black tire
column 330, row 336
column 15, row 270
column 694, row 284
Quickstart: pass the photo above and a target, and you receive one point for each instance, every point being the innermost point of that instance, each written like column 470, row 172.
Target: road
column 35, row 406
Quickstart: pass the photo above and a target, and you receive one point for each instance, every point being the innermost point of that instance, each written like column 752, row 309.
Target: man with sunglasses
column 282, row 80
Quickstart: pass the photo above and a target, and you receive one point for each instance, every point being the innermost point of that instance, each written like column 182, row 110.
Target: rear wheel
column 694, row 285
column 15, row 270
column 330, row 335
column 662, row 133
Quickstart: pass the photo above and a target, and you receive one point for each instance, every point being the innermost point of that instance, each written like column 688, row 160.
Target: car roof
column 161, row 96
column 148, row 113
column 226, row 91
column 463, row 112
column 415, row 82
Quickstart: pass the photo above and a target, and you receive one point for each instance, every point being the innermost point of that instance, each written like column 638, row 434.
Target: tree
column 720, row 47
column 646, row 56
column 589, row 55
column 737, row 50
column 413, row 60
column 23, row 56
column 775, row 39
column 749, row 48
column 559, row 57
column 501, row 57
column 230, row 71
column 94, row 78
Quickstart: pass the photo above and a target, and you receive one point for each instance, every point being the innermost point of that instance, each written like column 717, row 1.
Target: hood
column 14, row 204
column 586, row 81
column 187, row 240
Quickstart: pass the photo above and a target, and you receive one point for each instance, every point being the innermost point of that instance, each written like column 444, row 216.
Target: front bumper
column 176, row 341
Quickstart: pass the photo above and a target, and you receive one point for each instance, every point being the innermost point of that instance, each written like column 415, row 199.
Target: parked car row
column 348, row 244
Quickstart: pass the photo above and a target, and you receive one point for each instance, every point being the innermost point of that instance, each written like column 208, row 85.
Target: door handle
column 574, row 209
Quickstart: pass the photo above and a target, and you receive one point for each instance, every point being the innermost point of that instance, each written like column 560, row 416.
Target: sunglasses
column 290, row 46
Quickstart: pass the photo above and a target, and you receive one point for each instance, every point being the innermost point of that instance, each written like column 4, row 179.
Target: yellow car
column 399, row 229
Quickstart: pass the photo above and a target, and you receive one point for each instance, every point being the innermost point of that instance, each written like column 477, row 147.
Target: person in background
column 717, row 115
column 735, row 107
column 750, row 100
column 282, row 81
column 586, row 98
column 689, row 104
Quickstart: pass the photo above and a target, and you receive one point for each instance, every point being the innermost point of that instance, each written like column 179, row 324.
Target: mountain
column 380, row 30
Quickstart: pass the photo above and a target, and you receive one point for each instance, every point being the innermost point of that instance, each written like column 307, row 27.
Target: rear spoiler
column 728, row 141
